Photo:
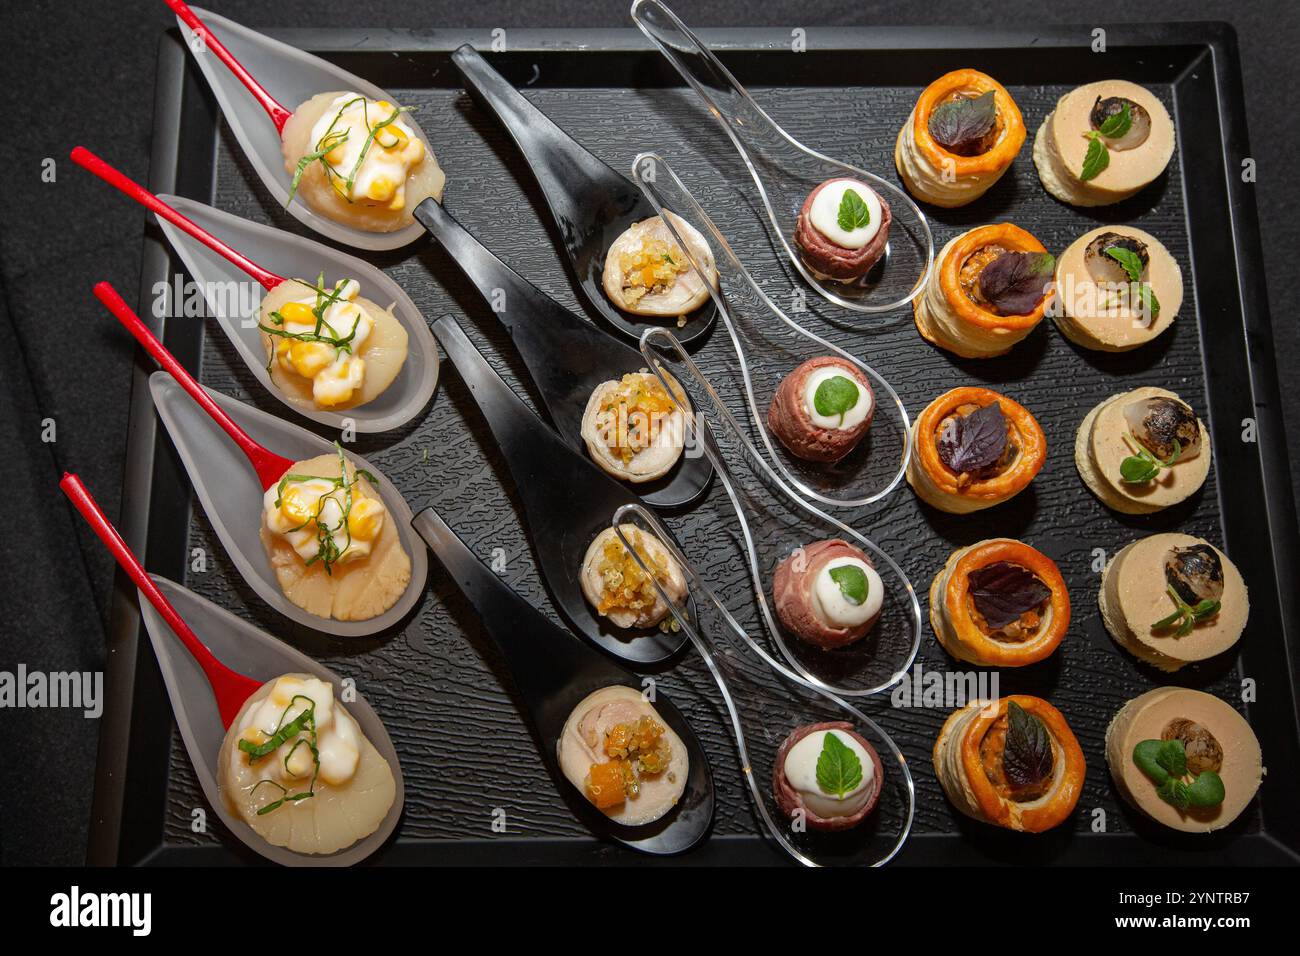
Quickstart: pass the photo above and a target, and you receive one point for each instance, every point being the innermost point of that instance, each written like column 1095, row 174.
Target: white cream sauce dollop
column 389, row 155
column 338, row 738
column 837, row 610
column 852, row 418
column 824, row 214
column 801, row 772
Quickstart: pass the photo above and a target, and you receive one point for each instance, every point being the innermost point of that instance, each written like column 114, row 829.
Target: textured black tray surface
column 437, row 685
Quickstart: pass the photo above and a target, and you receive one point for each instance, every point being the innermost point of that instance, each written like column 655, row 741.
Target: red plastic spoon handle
column 88, row 160
column 269, row 466
column 279, row 115
column 231, row 688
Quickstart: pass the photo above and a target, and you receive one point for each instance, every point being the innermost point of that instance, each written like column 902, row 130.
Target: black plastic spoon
column 567, row 501
column 591, row 203
column 567, row 356
column 552, row 672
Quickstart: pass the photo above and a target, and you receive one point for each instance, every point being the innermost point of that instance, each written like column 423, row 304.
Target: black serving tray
column 847, row 95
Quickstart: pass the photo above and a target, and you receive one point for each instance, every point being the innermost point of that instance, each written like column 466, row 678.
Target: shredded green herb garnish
column 335, row 138
column 321, row 332
column 304, row 723
column 328, row 551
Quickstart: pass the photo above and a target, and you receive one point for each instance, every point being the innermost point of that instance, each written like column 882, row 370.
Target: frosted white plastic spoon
column 211, row 662
column 236, row 61
column 222, row 252
column 785, row 171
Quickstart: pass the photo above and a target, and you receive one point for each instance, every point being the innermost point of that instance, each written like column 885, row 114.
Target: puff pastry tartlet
column 972, row 449
column 1171, row 600
column 963, row 134
column 1142, row 451
column 999, row 603
column 1014, row 763
column 1117, row 288
column 988, row 290
column 1215, row 739
column 1125, row 128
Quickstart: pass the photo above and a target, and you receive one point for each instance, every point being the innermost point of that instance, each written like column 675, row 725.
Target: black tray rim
column 129, row 663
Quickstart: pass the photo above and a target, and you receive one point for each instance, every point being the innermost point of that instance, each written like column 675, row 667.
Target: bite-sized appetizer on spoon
column 630, row 269
column 647, row 273
column 828, row 593
column 323, row 349
column 614, row 584
column 1103, row 143
column 619, row 754
column 633, row 429
column 327, row 530
column 623, row 756
column 822, row 410
column 990, row 288
column 961, row 137
column 296, row 774
column 356, row 162
column 827, row 776
column 843, row 230
column 1117, row 288
column 1142, row 451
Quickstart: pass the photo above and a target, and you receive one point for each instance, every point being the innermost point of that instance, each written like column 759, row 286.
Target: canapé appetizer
column 1142, row 451
column 298, row 769
column 827, row 593
column 1014, row 763
column 842, row 231
column 1103, row 143
column 614, row 584
column 989, row 289
column 647, row 273
column 1172, row 599
column 823, row 409
column 827, row 776
column 633, row 429
column 1117, row 288
column 999, row 603
column 334, row 550
column 355, row 161
column 622, row 757
column 961, row 136
column 1184, row 758
column 973, row 449
column 329, row 347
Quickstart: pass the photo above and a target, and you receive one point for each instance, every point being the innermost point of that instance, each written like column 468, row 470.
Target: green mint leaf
column 1206, row 790
column 1206, row 608
column 1172, row 756
column 1144, row 757
column 1151, row 305
column 1117, row 124
column 1173, row 792
column 854, row 212
column 835, row 396
column 1128, row 259
column 839, row 771
column 852, row 581
column 1095, row 160
column 1137, row 470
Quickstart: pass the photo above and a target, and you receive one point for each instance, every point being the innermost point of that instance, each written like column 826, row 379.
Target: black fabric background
column 83, row 72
